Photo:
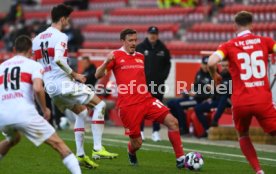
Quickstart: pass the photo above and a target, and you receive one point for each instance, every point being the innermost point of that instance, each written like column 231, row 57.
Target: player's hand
column 110, row 57
column 217, row 79
column 79, row 77
column 47, row 114
column 191, row 94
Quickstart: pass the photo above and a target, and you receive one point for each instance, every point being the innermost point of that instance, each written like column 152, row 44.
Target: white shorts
column 75, row 93
column 37, row 130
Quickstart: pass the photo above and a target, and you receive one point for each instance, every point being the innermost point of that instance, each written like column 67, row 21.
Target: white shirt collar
column 243, row 32
column 123, row 49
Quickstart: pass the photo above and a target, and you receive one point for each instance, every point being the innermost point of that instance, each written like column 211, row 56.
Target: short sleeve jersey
column 248, row 62
column 130, row 77
column 45, row 45
column 16, row 89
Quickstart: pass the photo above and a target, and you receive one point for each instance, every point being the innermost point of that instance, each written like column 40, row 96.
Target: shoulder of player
column 139, row 54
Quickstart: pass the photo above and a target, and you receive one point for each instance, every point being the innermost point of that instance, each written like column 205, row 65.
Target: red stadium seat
column 87, row 17
column 107, row 32
column 107, row 4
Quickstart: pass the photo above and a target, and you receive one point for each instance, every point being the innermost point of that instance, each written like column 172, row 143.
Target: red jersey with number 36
column 248, row 60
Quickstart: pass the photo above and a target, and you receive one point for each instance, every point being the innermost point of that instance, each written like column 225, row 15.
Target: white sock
column 97, row 126
column 1, row 156
column 79, row 132
column 72, row 164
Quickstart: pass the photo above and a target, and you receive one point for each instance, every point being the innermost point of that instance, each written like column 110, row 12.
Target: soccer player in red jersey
column 248, row 59
column 134, row 102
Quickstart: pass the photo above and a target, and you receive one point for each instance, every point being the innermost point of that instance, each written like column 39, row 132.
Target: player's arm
column 214, row 59
column 61, row 61
column 40, row 97
column 102, row 70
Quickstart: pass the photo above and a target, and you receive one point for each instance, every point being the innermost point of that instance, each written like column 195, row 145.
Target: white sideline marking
column 187, row 149
column 201, row 151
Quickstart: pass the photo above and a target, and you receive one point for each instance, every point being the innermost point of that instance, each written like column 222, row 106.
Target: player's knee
column 171, row 122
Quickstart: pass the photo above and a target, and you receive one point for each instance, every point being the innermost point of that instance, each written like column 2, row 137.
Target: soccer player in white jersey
column 62, row 84
column 20, row 79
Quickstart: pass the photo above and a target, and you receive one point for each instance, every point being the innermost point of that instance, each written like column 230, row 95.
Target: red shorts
column 133, row 115
column 265, row 113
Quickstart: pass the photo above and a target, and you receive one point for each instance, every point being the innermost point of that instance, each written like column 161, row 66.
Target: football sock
column 97, row 125
column 79, row 132
column 249, row 152
column 1, row 156
column 131, row 150
column 175, row 140
column 72, row 164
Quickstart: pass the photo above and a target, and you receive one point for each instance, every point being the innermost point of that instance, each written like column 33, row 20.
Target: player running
column 62, row 85
column 248, row 59
column 128, row 68
column 20, row 79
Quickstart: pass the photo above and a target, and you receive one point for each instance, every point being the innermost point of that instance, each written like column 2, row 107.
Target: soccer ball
column 64, row 123
column 194, row 161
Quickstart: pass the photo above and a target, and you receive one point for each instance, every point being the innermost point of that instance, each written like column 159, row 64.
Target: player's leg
column 155, row 131
column 132, row 117
column 142, row 130
column 97, row 128
column 47, row 134
column 242, row 119
column 79, row 131
column 174, row 137
column 160, row 113
column 12, row 138
column 134, row 144
column 69, row 159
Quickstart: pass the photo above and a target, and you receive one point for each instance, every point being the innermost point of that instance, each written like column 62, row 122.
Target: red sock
column 249, row 152
column 175, row 139
column 130, row 149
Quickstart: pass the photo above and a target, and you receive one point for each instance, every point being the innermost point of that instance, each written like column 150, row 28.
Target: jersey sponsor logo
column 63, row 44
column 14, row 95
column 122, row 61
column 139, row 61
column 45, row 36
column 132, row 67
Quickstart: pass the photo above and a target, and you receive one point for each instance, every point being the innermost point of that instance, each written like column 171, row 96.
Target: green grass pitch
column 154, row 158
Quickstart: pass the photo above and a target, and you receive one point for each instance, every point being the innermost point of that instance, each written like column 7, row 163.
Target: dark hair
column 243, row 18
column 85, row 58
column 126, row 32
column 23, row 44
column 60, row 11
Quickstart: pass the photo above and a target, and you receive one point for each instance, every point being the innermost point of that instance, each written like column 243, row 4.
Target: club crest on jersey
column 139, row 61
column 63, row 44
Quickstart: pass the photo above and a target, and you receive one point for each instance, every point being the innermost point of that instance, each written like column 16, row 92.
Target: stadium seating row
column 264, row 12
column 107, row 32
column 262, row 1
column 155, row 15
column 46, row 5
column 107, row 4
column 78, row 17
column 222, row 32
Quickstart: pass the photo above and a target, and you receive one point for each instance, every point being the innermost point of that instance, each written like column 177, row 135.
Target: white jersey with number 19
column 45, row 46
column 16, row 90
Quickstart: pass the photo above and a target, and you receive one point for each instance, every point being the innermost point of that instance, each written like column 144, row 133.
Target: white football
column 194, row 161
